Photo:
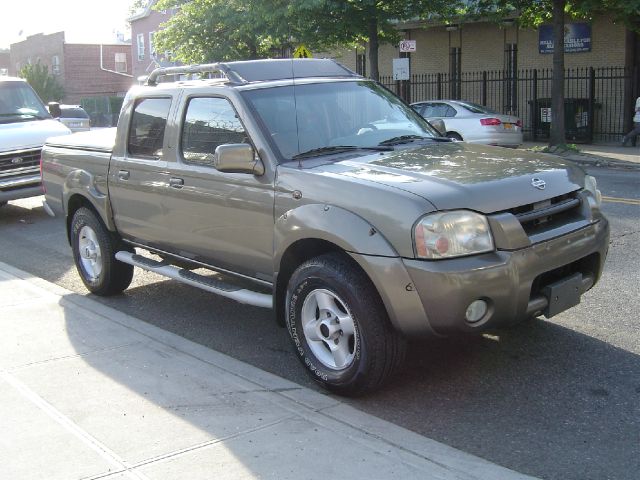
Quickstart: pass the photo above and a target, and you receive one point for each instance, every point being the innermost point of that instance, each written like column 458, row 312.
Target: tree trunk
column 557, row 83
column 373, row 48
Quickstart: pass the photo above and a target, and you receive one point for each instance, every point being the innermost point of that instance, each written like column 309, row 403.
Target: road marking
column 628, row 201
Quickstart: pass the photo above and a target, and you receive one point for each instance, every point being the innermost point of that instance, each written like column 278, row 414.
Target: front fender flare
column 368, row 247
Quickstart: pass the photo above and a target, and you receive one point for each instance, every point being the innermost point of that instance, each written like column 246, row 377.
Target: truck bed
column 101, row 140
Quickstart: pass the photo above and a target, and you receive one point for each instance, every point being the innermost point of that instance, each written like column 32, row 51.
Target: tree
column 217, row 30
column 212, row 30
column 46, row 85
column 353, row 22
column 532, row 13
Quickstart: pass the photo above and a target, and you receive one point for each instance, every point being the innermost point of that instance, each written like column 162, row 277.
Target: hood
column 460, row 175
column 26, row 135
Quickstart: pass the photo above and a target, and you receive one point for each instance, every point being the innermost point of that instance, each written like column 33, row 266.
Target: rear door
column 138, row 177
column 224, row 219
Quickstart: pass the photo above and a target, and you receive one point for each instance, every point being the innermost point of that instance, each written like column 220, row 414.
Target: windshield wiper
column 315, row 152
column 402, row 139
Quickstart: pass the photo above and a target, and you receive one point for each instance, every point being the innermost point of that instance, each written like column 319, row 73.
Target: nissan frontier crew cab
column 300, row 186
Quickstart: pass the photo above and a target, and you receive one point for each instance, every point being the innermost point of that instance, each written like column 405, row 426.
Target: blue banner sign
column 577, row 38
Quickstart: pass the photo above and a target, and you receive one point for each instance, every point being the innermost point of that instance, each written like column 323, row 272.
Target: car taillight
column 490, row 122
column 519, row 123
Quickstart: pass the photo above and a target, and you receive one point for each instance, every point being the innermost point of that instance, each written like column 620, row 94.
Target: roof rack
column 261, row 70
column 205, row 68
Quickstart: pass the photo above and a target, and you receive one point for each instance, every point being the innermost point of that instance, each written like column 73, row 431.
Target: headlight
column 591, row 186
column 452, row 234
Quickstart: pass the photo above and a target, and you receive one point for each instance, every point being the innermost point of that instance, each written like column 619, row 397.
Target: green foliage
column 45, row 84
column 532, row 13
column 216, row 30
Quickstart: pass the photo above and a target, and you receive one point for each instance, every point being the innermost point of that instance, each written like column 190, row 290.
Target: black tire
column 375, row 351
column 102, row 275
column 454, row 136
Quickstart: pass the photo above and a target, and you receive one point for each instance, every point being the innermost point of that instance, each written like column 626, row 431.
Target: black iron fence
column 598, row 101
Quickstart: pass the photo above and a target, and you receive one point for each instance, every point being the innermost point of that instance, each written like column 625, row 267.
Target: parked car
column 25, row 124
column 75, row 118
column 300, row 186
column 473, row 123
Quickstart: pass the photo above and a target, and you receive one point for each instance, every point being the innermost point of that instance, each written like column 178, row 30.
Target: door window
column 147, row 127
column 209, row 122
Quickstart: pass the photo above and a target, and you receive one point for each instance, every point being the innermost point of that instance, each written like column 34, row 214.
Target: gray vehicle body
column 260, row 227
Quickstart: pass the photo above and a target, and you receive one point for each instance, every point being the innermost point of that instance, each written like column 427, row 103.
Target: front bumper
column 511, row 282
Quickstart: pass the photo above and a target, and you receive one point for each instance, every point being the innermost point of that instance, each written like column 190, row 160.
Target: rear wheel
column 454, row 136
column 339, row 326
column 94, row 248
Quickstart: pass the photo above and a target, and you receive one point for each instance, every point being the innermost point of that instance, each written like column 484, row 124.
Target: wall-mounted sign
column 401, row 69
column 408, row 46
column 577, row 38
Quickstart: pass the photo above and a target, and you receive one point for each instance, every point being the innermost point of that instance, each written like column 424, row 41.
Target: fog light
column 476, row 310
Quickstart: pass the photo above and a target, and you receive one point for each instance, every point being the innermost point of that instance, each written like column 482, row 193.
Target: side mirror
column 54, row 109
column 438, row 125
column 237, row 158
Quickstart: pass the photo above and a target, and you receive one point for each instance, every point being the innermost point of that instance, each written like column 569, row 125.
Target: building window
column 140, row 39
column 152, row 50
column 455, row 73
column 55, row 65
column 121, row 62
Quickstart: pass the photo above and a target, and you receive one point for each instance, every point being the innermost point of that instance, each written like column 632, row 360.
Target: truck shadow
column 539, row 398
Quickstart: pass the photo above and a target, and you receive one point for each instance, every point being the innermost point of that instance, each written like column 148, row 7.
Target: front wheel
column 339, row 326
column 94, row 248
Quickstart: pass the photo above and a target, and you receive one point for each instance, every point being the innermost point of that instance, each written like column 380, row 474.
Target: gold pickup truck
column 300, row 186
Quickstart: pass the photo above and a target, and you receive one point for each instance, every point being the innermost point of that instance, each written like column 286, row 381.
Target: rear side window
column 148, row 123
column 73, row 113
column 209, row 122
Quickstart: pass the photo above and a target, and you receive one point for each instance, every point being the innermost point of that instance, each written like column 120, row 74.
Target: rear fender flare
column 80, row 182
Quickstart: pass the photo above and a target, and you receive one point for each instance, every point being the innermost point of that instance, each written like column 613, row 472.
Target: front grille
column 19, row 160
column 548, row 214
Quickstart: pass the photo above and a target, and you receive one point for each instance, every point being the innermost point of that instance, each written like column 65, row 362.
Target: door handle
column 123, row 174
column 176, row 182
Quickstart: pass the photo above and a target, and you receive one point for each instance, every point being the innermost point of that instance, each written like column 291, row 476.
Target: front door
column 224, row 219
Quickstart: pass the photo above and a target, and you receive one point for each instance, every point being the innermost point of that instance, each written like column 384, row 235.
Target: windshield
column 18, row 102
column 336, row 114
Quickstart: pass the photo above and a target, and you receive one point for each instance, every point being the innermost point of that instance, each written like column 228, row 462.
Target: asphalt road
column 557, row 399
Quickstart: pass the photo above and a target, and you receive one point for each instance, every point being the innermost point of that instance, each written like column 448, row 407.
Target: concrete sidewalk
column 88, row 392
column 615, row 156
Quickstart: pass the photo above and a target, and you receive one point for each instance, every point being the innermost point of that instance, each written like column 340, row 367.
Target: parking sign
column 408, row 46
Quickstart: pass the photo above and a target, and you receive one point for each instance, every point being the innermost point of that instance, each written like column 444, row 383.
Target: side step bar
column 183, row 275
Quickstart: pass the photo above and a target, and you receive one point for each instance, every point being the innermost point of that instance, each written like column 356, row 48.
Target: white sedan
column 469, row 122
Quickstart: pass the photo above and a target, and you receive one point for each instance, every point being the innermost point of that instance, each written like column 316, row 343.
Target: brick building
column 84, row 70
column 143, row 27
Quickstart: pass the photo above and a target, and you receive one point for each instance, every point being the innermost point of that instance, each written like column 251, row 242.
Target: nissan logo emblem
column 538, row 183
column 16, row 160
